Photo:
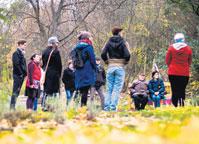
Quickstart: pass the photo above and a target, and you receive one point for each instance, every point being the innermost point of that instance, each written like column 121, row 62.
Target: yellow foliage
column 140, row 29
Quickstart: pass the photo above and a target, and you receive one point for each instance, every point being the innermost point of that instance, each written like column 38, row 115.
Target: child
column 139, row 92
column 100, row 81
column 69, row 81
column 33, row 80
column 156, row 89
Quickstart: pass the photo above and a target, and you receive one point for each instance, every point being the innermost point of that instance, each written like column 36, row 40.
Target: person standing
column 116, row 55
column 85, row 65
column 156, row 89
column 178, row 60
column 19, row 71
column 100, row 81
column 33, row 81
column 69, row 81
column 139, row 92
column 52, row 61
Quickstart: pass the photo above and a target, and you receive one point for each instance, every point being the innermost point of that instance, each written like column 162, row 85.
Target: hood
column 179, row 45
column 82, row 45
column 116, row 41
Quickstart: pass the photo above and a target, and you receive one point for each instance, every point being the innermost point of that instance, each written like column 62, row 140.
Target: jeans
column 35, row 104
column 69, row 95
column 156, row 99
column 115, row 80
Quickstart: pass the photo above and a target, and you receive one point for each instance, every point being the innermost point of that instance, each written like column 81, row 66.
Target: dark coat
column 116, row 49
column 54, row 70
column 69, row 79
column 156, row 86
column 19, row 64
column 100, row 76
column 86, row 76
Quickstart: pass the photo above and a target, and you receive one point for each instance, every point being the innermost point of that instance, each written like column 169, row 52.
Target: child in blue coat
column 156, row 89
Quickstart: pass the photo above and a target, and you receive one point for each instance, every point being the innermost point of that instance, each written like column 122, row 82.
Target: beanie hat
column 179, row 37
column 53, row 40
column 84, row 35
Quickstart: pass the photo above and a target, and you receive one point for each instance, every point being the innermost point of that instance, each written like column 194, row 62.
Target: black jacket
column 19, row 63
column 69, row 79
column 53, row 74
column 100, row 76
column 115, row 49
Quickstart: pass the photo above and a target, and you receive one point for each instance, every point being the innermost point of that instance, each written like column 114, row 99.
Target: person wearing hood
column 19, row 71
column 85, row 76
column 116, row 55
column 178, row 60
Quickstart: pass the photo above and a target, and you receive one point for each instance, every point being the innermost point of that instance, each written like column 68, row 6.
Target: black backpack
column 77, row 58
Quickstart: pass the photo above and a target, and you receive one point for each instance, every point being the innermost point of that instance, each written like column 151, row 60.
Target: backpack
column 77, row 58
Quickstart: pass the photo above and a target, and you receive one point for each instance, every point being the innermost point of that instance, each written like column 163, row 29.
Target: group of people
column 142, row 91
column 85, row 74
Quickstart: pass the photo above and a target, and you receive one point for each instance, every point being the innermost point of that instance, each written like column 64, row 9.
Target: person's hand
column 142, row 91
column 156, row 93
column 31, row 86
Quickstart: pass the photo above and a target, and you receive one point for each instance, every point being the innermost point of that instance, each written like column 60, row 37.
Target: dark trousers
column 140, row 101
column 84, row 95
column 32, row 94
column 30, row 102
column 178, row 86
column 17, row 83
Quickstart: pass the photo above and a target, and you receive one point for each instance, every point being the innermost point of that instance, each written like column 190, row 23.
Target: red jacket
column 34, row 74
column 179, row 59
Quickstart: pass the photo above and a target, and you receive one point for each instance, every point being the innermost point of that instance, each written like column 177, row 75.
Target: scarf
column 87, row 41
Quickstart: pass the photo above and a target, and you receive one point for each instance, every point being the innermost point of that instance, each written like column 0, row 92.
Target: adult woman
column 178, row 60
column 33, row 81
column 54, row 68
column 116, row 54
column 85, row 75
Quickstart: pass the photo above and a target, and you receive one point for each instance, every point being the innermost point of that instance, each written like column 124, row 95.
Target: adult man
column 19, row 71
column 139, row 92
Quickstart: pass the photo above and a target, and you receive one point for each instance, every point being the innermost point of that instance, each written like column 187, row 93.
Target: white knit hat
column 179, row 36
column 53, row 40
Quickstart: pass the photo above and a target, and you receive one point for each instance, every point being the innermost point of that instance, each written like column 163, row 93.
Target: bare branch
column 83, row 19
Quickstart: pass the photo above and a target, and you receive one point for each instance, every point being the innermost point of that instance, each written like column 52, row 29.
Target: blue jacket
column 156, row 86
column 86, row 76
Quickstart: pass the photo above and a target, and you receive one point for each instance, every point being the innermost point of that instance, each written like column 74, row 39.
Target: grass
column 82, row 126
